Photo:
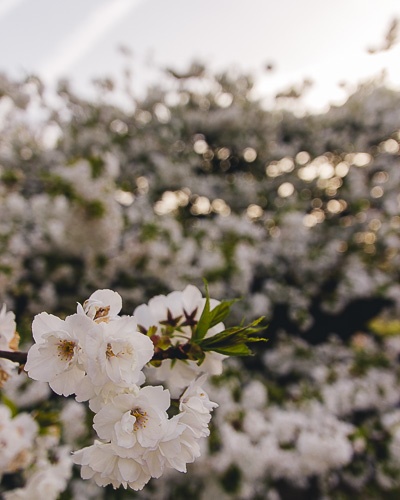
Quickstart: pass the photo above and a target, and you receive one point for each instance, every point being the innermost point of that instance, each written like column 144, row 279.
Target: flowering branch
column 176, row 352
column 16, row 356
column 231, row 342
column 103, row 358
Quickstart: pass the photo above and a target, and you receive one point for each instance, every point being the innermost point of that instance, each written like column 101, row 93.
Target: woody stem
column 16, row 356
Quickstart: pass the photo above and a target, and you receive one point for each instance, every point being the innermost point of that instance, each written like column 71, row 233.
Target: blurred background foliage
column 297, row 215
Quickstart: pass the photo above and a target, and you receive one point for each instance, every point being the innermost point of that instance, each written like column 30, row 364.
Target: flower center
column 101, row 314
column 66, row 350
column 109, row 351
column 96, row 312
column 141, row 418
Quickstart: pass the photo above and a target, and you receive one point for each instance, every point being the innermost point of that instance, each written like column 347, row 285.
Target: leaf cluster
column 231, row 341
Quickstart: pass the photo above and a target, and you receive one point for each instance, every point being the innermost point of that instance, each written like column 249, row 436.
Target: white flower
column 320, row 452
column 56, row 357
column 8, row 341
column 189, row 448
column 170, row 451
column 196, row 408
column 117, row 352
column 47, row 480
column 129, row 420
column 7, row 328
column 102, row 305
column 102, row 395
column 45, row 484
column 254, row 395
column 16, row 437
column 102, row 463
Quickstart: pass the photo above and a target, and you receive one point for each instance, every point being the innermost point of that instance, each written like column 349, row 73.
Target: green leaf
column 204, row 322
column 151, row 331
column 210, row 318
column 234, row 350
column 233, row 341
column 221, row 311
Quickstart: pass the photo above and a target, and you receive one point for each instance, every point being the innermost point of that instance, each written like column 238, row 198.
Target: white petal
column 129, row 469
column 108, row 298
column 85, row 390
column 104, row 421
column 174, row 303
column 79, row 325
column 191, row 298
column 144, row 317
column 120, row 328
column 157, row 397
column 44, row 323
column 42, row 363
column 67, row 382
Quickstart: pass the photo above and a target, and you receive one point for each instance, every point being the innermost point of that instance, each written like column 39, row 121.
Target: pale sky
column 325, row 40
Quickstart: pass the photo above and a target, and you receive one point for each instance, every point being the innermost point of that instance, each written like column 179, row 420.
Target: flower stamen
column 141, row 418
column 101, row 314
column 109, row 351
column 66, row 350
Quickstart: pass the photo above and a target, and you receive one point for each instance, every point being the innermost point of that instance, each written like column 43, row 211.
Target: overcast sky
column 325, row 40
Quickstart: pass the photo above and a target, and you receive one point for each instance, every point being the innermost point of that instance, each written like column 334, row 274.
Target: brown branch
column 177, row 352
column 16, row 356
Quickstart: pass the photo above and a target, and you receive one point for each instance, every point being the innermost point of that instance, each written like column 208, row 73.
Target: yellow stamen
column 66, row 350
column 109, row 351
column 101, row 314
column 141, row 418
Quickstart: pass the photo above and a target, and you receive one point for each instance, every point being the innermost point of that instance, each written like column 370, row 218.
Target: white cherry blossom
column 7, row 328
column 169, row 451
column 102, row 305
column 8, row 341
column 117, row 352
column 102, row 463
column 196, row 408
column 129, row 420
column 56, row 357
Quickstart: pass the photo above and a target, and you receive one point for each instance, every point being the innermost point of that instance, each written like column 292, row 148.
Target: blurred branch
column 295, row 91
column 196, row 70
column 391, row 38
column 16, row 356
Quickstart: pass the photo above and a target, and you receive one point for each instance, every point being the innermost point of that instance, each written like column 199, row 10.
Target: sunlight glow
column 85, row 37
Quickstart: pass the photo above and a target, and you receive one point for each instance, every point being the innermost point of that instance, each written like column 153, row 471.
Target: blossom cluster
column 100, row 356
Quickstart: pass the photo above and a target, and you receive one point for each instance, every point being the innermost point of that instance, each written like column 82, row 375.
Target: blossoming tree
column 298, row 216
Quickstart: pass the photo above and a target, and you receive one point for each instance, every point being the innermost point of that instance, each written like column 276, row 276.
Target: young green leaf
column 233, row 341
column 221, row 311
column 204, row 322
